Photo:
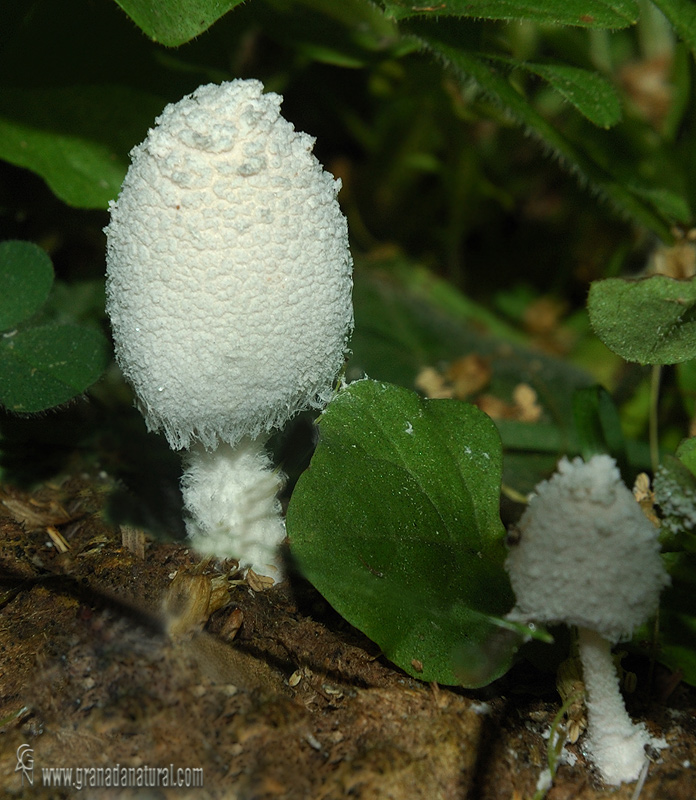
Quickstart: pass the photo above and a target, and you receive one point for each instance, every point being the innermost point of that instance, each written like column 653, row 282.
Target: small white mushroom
column 229, row 292
column 588, row 556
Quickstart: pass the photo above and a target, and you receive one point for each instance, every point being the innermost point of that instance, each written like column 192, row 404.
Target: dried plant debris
column 460, row 379
column 523, row 408
column 109, row 657
column 467, row 377
column 646, row 497
column 648, row 86
column 676, row 261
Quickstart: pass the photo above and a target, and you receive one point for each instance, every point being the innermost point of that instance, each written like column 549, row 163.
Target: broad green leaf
column 589, row 92
column 682, row 14
column 174, row 22
column 26, row 276
column 583, row 13
column 48, row 365
column 396, row 523
column 651, row 321
column 76, row 138
column 496, row 85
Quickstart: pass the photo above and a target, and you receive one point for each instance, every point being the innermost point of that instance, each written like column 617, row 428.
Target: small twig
column 133, row 539
column 58, row 539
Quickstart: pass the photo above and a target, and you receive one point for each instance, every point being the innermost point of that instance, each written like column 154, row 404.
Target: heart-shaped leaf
column 396, row 523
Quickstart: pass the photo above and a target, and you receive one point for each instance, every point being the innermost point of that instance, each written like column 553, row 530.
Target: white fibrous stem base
column 615, row 743
column 230, row 495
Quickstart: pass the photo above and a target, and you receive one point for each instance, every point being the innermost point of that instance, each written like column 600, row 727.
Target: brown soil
column 294, row 703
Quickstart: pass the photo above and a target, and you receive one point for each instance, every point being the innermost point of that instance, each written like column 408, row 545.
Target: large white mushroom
column 229, row 292
column 588, row 556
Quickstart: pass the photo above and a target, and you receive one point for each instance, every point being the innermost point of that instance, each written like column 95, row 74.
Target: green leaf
column 589, row 92
column 598, row 425
column 26, row 276
column 667, row 202
column 682, row 14
column 686, row 382
column 686, row 453
column 406, row 319
column 583, row 13
column 396, row 523
column 174, row 22
column 45, row 366
column 651, row 321
column 495, row 85
column 678, row 616
column 76, row 138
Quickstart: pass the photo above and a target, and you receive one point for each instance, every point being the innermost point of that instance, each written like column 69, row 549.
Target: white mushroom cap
column 587, row 555
column 228, row 269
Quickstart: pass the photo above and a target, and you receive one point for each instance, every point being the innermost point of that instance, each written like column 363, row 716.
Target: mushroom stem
column 230, row 494
column 616, row 744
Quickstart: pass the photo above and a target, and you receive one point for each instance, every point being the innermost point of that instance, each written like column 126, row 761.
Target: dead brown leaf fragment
column 646, row 498
column 433, row 385
column 543, row 320
column 191, row 599
column 33, row 513
column 542, row 316
column 257, row 582
column 525, row 400
column 523, row 408
column 676, row 261
column 468, row 375
column 647, row 84
column 460, row 379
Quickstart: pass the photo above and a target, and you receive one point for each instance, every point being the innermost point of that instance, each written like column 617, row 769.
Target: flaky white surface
column 587, row 555
column 230, row 495
column 615, row 743
column 228, row 269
